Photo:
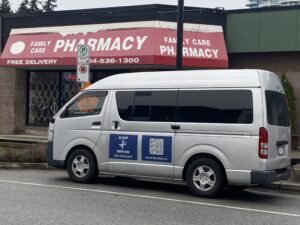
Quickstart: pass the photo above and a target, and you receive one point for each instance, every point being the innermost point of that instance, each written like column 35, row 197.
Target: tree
column 49, row 5
column 24, row 7
column 291, row 98
column 34, row 6
column 5, row 6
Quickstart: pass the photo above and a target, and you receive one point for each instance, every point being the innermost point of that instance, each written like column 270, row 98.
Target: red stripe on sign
column 144, row 46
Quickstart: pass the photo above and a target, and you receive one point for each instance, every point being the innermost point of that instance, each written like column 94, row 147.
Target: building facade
column 271, row 3
column 266, row 38
column 38, row 62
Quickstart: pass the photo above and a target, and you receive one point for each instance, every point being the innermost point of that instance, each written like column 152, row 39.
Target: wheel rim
column 80, row 166
column 204, row 178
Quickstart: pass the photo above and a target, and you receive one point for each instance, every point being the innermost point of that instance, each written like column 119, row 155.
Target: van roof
column 181, row 79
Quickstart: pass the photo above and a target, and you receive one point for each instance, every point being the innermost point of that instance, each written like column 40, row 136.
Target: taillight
column 263, row 143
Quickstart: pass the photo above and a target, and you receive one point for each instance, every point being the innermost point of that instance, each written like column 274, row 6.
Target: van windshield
column 277, row 109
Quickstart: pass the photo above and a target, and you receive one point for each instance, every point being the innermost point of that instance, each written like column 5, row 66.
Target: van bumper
column 267, row 177
column 49, row 157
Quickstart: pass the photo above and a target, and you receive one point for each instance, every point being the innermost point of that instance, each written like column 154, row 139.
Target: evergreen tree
column 5, row 6
column 291, row 98
column 24, row 7
column 49, row 5
column 34, row 6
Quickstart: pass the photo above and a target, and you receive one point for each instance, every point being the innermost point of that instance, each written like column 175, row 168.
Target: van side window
column 87, row 104
column 277, row 109
column 215, row 106
column 163, row 106
column 142, row 104
column 125, row 103
column 156, row 106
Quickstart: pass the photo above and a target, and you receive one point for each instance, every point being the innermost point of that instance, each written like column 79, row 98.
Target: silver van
column 209, row 128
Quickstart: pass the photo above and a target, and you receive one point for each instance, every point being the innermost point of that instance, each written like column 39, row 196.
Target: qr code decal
column 156, row 146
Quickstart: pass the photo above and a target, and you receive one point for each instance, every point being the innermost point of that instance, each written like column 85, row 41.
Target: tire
column 82, row 166
column 205, row 178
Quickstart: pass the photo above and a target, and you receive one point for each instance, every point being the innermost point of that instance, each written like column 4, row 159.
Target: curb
column 17, row 166
column 24, row 140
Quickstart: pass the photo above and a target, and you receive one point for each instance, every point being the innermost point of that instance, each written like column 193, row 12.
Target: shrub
column 290, row 94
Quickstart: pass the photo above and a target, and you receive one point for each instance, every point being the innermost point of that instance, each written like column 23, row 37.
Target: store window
column 48, row 92
column 69, row 87
column 43, row 96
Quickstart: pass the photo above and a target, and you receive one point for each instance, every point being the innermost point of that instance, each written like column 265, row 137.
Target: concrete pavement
column 49, row 197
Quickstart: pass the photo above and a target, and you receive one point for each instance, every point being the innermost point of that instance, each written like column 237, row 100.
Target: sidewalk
column 23, row 138
column 292, row 184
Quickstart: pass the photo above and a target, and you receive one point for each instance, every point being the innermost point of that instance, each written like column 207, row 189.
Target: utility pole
column 180, row 21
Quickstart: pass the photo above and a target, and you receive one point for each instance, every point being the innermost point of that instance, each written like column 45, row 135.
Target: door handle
column 116, row 125
column 97, row 123
column 175, row 127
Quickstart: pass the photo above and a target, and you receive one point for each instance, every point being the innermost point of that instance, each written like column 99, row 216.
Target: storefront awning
column 133, row 46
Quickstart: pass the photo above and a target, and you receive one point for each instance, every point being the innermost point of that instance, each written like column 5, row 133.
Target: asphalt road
column 49, row 197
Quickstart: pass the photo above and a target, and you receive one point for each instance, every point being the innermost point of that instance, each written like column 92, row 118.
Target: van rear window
column 277, row 109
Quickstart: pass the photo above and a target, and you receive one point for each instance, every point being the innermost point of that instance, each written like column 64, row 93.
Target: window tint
column 147, row 105
column 277, row 109
column 141, row 109
column 215, row 106
column 163, row 105
column 87, row 104
column 125, row 102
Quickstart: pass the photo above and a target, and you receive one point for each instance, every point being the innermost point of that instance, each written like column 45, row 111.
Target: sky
column 84, row 4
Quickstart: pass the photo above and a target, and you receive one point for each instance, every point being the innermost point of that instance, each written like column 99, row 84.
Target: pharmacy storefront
column 49, row 56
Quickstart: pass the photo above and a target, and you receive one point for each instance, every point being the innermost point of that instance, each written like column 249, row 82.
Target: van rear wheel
column 205, row 177
column 82, row 167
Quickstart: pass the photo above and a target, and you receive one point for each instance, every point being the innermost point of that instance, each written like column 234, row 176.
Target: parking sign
column 83, row 63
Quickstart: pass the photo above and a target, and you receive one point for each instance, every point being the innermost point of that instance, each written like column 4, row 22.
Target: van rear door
column 278, row 127
column 277, row 123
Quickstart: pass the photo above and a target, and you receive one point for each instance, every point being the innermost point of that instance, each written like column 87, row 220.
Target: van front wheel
column 82, row 167
column 205, row 177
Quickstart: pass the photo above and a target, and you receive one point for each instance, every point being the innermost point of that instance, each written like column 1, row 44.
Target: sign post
column 180, row 21
column 83, row 63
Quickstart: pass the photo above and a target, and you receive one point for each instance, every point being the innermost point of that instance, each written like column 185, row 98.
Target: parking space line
column 152, row 197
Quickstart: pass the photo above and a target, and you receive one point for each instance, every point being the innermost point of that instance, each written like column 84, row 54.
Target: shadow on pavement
column 177, row 188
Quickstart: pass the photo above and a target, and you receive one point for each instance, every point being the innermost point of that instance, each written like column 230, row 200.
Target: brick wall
column 12, row 100
column 20, row 101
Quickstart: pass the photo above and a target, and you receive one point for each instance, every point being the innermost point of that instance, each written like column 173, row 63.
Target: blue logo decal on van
column 123, row 147
column 157, row 148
